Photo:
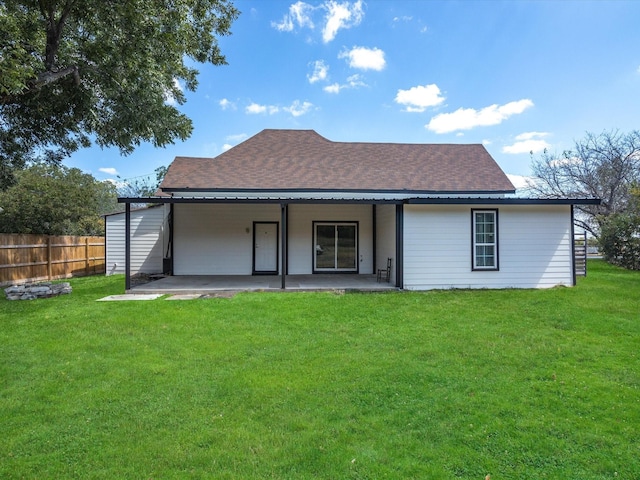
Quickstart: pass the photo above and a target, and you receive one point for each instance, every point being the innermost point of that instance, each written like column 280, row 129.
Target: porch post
column 375, row 234
column 399, row 245
column 171, row 239
column 127, row 246
column 283, row 234
column 574, row 280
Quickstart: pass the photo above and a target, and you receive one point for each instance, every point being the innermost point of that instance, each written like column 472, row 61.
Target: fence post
column 86, row 256
column 49, row 275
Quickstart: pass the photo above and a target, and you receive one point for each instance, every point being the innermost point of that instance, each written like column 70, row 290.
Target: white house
column 287, row 202
column 149, row 240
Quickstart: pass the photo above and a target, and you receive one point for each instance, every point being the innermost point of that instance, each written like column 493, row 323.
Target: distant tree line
column 51, row 199
column 605, row 166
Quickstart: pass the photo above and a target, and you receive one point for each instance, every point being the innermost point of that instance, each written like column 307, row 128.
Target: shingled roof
column 302, row 160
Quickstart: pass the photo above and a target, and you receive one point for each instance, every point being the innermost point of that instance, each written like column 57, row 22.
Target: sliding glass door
column 336, row 246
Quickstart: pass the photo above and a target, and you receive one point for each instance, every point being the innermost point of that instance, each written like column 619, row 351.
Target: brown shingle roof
column 304, row 160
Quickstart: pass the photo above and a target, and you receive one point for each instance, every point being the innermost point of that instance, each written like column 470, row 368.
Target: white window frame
column 475, row 243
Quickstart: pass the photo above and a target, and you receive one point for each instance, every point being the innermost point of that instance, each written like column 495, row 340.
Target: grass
column 448, row 384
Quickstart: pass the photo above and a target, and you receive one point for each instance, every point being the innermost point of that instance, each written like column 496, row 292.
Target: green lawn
column 449, row 384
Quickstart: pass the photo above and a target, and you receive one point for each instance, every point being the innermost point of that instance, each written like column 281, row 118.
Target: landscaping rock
column 32, row 291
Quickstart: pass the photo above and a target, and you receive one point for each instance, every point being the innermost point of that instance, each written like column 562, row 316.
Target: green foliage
column 620, row 234
column 522, row 384
column 109, row 72
column 55, row 200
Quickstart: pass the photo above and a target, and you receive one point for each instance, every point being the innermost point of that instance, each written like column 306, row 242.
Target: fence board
column 26, row 258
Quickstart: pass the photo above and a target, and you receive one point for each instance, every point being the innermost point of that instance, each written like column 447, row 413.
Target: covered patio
column 207, row 284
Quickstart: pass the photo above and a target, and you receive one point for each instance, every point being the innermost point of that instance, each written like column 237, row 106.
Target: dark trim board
column 268, row 191
column 400, row 246
column 372, row 201
column 503, row 201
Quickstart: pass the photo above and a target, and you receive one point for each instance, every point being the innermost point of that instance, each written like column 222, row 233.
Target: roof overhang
column 505, row 201
column 373, row 200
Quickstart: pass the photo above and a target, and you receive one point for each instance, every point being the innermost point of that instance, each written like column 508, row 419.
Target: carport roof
column 303, row 160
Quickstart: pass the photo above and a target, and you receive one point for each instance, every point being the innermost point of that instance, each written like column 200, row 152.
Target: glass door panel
column 325, row 246
column 346, row 257
column 336, row 247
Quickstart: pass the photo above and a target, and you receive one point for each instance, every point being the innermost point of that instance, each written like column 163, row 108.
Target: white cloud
column 237, row 138
column 364, row 58
column 320, row 72
column 256, row 108
column 531, row 135
column 486, row 142
column 333, row 88
column 108, row 170
column 227, row 104
column 226, row 147
column 418, row 99
column 638, row 70
column 521, row 182
column 298, row 108
column 340, row 15
column 526, row 146
column 354, row 81
column 299, row 15
column 468, row 118
column 528, row 142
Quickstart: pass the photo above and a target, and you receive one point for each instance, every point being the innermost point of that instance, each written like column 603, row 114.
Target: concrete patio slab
column 130, row 296
column 186, row 296
column 210, row 284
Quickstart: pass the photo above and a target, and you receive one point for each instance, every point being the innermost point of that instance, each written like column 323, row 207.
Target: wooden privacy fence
column 28, row 258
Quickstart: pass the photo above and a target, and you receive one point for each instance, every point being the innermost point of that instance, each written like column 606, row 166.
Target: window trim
column 335, row 223
column 474, row 266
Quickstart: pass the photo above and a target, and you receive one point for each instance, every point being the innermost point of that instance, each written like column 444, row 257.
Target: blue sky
column 517, row 76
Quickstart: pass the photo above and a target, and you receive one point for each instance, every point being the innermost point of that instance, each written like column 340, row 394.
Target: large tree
column 73, row 72
column 604, row 166
column 55, row 200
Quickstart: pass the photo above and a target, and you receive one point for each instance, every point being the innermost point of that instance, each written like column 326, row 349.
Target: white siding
column 217, row 239
column 301, row 218
column 148, row 238
column 386, row 238
column 535, row 248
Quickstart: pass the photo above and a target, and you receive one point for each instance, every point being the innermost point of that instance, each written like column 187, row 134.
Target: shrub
column 620, row 240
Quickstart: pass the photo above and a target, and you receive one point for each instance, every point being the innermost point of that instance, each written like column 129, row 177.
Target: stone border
column 33, row 291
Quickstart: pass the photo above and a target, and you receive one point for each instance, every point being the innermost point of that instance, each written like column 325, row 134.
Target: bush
column 620, row 240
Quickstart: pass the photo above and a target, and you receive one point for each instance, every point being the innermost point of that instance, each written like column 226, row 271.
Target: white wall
column 386, row 238
column 301, row 218
column 534, row 247
column 217, row 239
column 148, row 238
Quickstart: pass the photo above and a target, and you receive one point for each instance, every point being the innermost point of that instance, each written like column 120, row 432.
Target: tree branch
column 45, row 78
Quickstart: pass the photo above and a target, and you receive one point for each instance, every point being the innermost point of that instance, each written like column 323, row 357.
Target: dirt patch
column 222, row 294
